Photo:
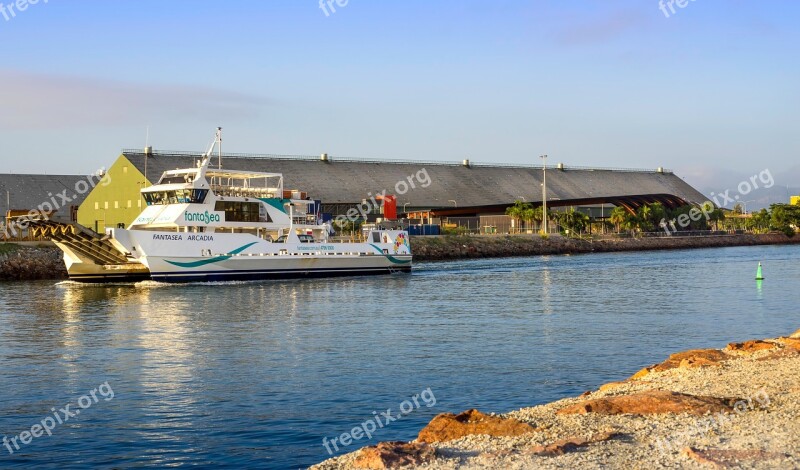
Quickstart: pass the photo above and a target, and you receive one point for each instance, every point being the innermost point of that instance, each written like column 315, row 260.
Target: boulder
column 686, row 359
column 749, row 347
column 447, row 426
column 394, row 455
column 651, row 402
column 790, row 343
column 795, row 335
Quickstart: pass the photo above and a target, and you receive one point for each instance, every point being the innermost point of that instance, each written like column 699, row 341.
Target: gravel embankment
column 761, row 431
column 19, row 263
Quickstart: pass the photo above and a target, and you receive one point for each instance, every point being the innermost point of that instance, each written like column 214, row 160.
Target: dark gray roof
column 28, row 192
column 350, row 181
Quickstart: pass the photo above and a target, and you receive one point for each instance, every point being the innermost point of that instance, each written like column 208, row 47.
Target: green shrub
column 7, row 248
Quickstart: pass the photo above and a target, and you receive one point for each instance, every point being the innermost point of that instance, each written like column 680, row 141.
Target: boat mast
column 219, row 141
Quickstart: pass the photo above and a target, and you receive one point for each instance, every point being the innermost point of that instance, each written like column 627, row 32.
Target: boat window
column 180, row 196
column 237, row 211
column 181, row 179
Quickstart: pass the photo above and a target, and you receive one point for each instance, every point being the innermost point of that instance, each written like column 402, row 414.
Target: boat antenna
column 219, row 141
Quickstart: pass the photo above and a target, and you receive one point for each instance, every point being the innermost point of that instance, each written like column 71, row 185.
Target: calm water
column 257, row 374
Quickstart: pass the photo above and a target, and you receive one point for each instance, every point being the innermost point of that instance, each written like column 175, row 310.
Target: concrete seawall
column 493, row 246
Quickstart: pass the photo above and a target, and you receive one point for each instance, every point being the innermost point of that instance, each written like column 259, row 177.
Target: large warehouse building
column 447, row 189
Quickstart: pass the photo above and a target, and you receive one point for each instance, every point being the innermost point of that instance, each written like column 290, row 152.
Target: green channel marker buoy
column 759, row 275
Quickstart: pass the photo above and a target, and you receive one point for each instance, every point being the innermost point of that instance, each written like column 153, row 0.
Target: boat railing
column 347, row 239
column 241, row 191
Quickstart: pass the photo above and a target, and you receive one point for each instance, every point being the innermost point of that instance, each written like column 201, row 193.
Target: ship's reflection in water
column 256, row 374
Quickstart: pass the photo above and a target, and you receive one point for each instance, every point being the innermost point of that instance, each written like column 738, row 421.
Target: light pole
column 523, row 198
column 544, row 193
column 404, row 207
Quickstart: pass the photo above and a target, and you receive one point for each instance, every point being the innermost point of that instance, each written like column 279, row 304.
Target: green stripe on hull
column 389, row 257
column 197, row 264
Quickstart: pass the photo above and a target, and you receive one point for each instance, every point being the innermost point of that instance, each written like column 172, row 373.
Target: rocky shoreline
column 737, row 407
column 493, row 246
column 25, row 263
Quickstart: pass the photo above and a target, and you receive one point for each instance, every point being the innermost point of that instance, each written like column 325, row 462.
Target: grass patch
column 6, row 248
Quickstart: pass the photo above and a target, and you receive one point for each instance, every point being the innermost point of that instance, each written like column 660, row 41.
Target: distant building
column 458, row 189
column 116, row 200
column 58, row 197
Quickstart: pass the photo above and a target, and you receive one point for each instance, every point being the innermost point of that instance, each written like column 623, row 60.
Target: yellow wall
column 795, row 200
column 116, row 199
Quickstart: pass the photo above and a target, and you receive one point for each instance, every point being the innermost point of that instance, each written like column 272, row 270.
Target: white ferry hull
column 258, row 269
column 188, row 257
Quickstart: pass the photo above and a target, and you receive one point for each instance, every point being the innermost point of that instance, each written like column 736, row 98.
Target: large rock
column 795, row 335
column 394, row 455
column 790, row 343
column 651, row 402
column 749, row 347
column 447, row 426
column 687, row 359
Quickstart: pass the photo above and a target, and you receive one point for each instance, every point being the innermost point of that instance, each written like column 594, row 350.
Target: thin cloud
column 42, row 101
column 600, row 30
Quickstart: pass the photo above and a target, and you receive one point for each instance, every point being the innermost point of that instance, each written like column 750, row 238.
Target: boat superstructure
column 212, row 223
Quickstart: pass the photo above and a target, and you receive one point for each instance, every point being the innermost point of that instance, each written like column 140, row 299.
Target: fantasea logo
column 205, row 217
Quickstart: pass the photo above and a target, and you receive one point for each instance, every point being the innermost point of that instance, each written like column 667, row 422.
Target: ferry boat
column 207, row 224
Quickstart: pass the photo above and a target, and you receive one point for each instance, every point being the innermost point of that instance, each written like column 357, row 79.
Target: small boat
column 207, row 224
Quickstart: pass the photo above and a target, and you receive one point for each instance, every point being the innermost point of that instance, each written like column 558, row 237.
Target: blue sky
column 712, row 92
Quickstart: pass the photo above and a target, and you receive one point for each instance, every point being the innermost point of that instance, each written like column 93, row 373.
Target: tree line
column 655, row 217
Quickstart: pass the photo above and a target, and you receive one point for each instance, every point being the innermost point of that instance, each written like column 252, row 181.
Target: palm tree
column 528, row 214
column 573, row 221
column 713, row 213
column 643, row 215
column 537, row 215
column 517, row 211
column 618, row 217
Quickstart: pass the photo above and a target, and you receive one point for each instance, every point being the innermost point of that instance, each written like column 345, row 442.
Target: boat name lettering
column 167, row 237
column 205, row 217
column 200, row 238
